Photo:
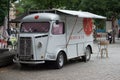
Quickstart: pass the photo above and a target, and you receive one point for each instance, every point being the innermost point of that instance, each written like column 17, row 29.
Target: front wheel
column 60, row 60
column 87, row 55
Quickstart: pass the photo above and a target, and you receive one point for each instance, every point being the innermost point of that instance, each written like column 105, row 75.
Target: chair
column 103, row 46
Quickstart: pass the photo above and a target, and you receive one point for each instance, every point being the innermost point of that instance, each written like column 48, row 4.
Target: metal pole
column 8, row 28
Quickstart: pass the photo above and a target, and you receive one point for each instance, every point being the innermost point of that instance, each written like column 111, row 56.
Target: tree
column 25, row 5
column 108, row 8
column 102, row 7
column 4, row 9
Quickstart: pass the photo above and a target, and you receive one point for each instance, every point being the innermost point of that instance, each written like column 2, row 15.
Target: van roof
column 41, row 17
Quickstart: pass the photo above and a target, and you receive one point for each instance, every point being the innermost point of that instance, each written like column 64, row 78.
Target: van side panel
column 77, row 40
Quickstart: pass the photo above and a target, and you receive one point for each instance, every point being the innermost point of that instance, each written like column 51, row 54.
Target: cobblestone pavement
column 95, row 69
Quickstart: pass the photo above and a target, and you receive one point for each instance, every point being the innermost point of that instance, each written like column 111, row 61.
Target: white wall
column 108, row 25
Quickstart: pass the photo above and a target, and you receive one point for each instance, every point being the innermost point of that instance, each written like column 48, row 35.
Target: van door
column 57, row 38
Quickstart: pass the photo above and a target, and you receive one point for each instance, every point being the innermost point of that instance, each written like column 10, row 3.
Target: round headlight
column 39, row 44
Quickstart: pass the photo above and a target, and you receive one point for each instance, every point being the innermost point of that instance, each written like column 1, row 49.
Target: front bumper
column 29, row 61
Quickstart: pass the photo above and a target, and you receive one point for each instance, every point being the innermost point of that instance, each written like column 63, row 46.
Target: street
column 96, row 69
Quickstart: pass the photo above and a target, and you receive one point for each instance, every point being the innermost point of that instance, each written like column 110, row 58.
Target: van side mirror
column 57, row 22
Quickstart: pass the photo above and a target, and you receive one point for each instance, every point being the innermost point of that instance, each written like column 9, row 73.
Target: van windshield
column 35, row 27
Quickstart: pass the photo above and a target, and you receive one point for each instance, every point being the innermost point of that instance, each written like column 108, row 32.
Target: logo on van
column 87, row 24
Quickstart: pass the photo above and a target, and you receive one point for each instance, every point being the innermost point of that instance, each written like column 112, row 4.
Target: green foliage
column 100, row 24
column 73, row 4
column 4, row 4
column 108, row 8
column 47, row 4
column 3, row 10
column 24, row 5
column 103, row 7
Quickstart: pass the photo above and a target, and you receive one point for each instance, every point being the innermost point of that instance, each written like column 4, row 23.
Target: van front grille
column 25, row 48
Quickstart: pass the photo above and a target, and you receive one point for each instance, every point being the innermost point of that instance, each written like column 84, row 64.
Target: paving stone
column 96, row 69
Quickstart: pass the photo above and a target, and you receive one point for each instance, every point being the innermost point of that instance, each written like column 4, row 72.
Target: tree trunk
column 113, row 30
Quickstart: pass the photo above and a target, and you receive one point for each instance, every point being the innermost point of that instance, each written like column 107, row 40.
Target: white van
column 55, row 36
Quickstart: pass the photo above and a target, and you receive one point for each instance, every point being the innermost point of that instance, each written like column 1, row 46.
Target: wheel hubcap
column 87, row 54
column 61, row 60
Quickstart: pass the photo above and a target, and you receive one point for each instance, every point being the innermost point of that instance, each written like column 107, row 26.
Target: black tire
column 87, row 55
column 59, row 63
